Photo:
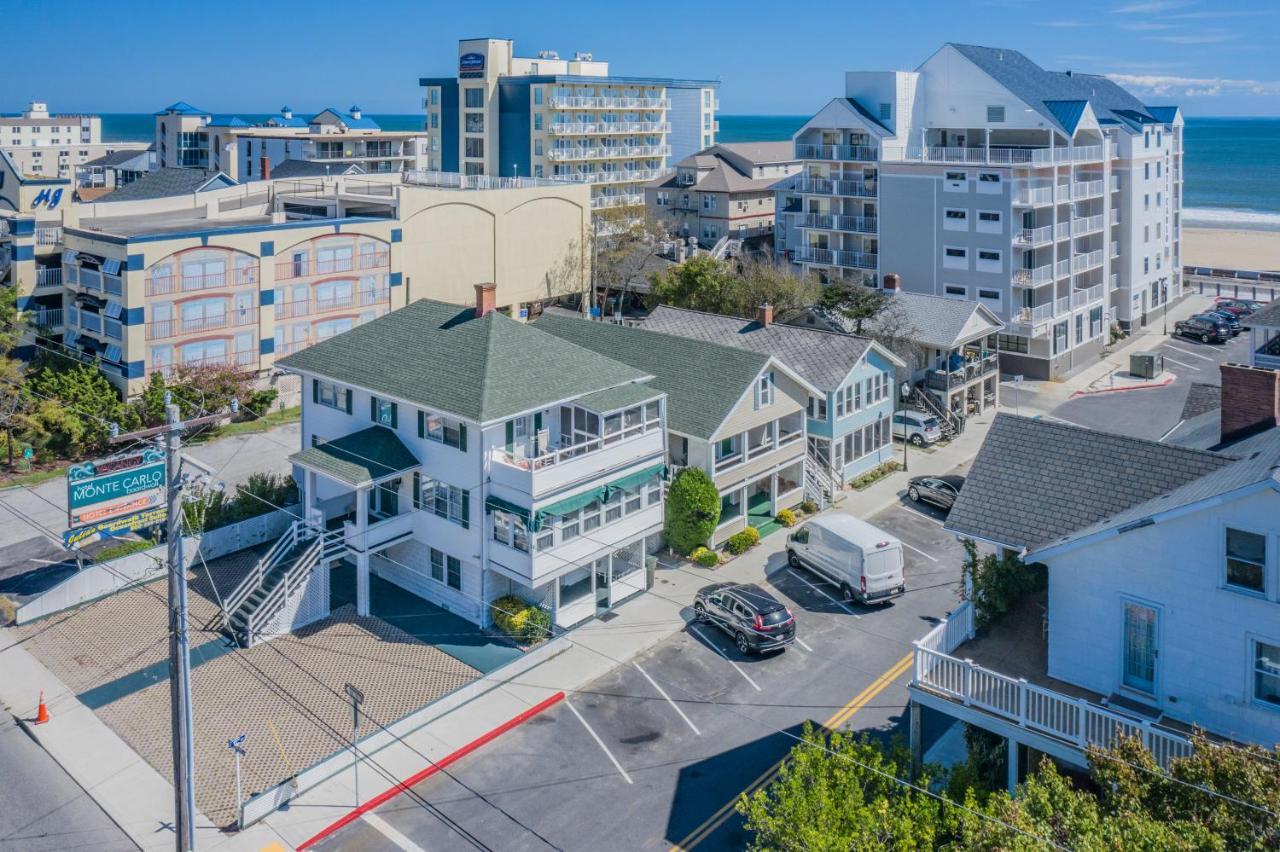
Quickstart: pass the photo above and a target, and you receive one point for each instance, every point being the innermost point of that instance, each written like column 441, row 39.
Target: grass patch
column 123, row 548
column 874, row 475
column 34, row 477
column 252, row 426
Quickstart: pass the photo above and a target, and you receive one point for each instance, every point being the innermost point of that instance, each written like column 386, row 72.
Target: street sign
column 237, row 745
column 114, row 488
column 118, row 526
column 356, row 696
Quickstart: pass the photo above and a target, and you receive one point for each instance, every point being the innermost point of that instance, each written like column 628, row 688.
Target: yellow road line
column 862, row 699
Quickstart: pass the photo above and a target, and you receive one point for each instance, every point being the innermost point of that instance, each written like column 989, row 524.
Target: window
column 989, row 222
column 330, row 395
column 537, row 147
column 1158, row 197
column 434, row 427
column 1146, row 202
column 475, row 122
column 1246, row 560
column 955, row 291
column 537, row 96
column 995, row 114
column 1079, row 329
column 382, row 412
column 989, row 255
column 954, row 257
column 817, row 408
column 886, row 111
column 537, row 121
column 1060, row 339
column 444, row 500
column 1266, row 672
column 956, row 182
column 509, row 529
column 990, row 295
column 1095, row 321
column 708, row 202
column 989, row 177
column 437, row 565
column 764, row 390
column 1146, row 171
column 590, row 516
column 474, row 97
column 955, row 220
column 473, row 148
column 1146, row 233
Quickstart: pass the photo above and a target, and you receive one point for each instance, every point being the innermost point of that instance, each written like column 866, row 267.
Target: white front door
column 1141, row 636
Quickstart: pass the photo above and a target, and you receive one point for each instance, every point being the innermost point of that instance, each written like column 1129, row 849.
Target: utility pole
column 184, row 767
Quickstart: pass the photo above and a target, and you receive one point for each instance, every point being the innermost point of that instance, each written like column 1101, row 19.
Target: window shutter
column 417, row 490
column 315, row 390
column 394, row 418
column 373, row 409
column 511, row 434
column 462, row 437
column 347, row 406
column 466, row 510
column 422, row 424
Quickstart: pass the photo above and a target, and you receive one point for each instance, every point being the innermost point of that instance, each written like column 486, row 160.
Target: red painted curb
column 421, row 776
column 1129, row 388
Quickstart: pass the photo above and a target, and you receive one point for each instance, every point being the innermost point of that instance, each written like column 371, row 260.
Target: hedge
column 693, row 510
column 520, row 619
column 741, row 542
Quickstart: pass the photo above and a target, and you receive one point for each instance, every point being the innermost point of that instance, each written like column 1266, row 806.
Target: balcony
column 529, row 469
column 288, row 347
column 380, row 530
column 1115, row 281
column 1086, row 225
column 48, row 236
column 588, row 102
column 607, row 152
column 1031, row 237
column 836, row 257
column 1033, row 196
column 616, row 176
column 834, row 222
column 1087, row 296
column 1083, row 189
column 1115, row 249
column 1084, row 262
column 163, row 329
column 841, row 153
column 246, row 359
column 1033, row 276
column 158, row 285
column 827, row 186
column 1001, row 156
column 969, row 371
column 1115, row 183
column 375, row 296
column 49, row 277
column 50, row 318
column 606, row 128
column 600, row 202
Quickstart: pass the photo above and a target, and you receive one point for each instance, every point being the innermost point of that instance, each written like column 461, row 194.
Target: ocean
column 1232, row 164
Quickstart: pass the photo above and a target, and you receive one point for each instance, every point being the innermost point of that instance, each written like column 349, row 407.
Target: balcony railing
column 723, row 463
column 1034, row 236
column 47, row 318
column 48, row 236
column 827, row 186
column 1082, row 262
column 375, row 296
column 834, row 222
column 333, row 302
column 288, row 347
column 599, row 202
column 587, row 102
column 998, row 156
column 1115, row 281
column 49, row 276
column 1087, row 295
column 247, row 358
column 1115, row 249
column 1086, row 225
column 605, row 128
column 1035, row 314
column 161, row 329
column 1033, row 196
column 1037, row 275
column 844, row 153
column 836, row 257
column 1086, row 189
column 607, row 152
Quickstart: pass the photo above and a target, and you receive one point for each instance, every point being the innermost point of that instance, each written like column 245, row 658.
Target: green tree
column 67, row 409
column 201, row 390
column 837, row 792
column 995, row 584
column 854, row 302
column 734, row 288
column 701, row 283
column 693, row 510
column 12, row 328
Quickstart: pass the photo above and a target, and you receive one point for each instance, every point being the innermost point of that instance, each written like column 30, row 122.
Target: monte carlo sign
column 114, row 488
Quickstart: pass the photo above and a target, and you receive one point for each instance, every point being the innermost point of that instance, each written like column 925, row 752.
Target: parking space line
column 829, row 597
column 663, row 693
column 389, row 831
column 803, row 644
column 918, row 550
column 725, row 657
column 1181, row 363
column 599, row 741
column 1188, row 352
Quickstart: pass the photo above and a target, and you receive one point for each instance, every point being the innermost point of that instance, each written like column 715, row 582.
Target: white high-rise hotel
column 1053, row 198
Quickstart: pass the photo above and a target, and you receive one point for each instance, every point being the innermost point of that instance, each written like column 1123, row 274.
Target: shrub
column 875, row 474
column 787, row 518
column 741, row 542
column 521, row 620
column 123, row 548
column 705, row 557
column 693, row 510
column 995, row 584
column 809, row 507
column 261, row 494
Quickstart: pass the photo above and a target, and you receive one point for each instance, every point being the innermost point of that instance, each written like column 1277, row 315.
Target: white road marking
column 663, row 693
column 1188, row 352
column 389, row 831
column 920, row 513
column 725, row 657
column 599, row 742
column 918, row 550
column 1181, row 363
column 803, row 644
column 826, row 595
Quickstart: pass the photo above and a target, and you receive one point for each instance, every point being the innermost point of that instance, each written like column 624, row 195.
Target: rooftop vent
column 287, row 112
column 355, row 112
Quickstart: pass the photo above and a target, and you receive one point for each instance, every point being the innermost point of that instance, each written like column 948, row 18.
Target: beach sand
column 1231, row 249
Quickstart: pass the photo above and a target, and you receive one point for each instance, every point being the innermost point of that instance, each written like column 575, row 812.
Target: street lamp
column 904, row 390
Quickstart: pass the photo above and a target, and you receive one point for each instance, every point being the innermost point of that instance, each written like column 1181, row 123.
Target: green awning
column 567, row 505
column 631, row 480
column 491, row 503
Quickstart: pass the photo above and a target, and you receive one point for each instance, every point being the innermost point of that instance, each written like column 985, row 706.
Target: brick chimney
column 486, row 297
column 1250, row 400
column 764, row 315
column 264, row 164
column 892, row 281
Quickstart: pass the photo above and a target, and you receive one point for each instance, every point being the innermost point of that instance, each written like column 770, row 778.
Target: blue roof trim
column 1068, row 113
column 215, row 232
column 181, row 108
column 228, row 121
column 1163, row 114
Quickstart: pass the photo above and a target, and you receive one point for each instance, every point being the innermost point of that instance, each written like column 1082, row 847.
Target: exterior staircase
column 952, row 424
column 819, row 485
column 278, row 577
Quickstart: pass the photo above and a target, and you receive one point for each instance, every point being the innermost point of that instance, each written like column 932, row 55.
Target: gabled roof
column 1035, row 482
column 163, row 183
column 181, row 108
column 762, row 152
column 440, row 356
column 1164, row 114
column 822, row 358
column 118, row 158
column 360, row 458
column 935, row 321
column 364, row 122
column 866, row 114
column 703, row 381
column 1068, row 113
column 308, row 168
column 1268, row 317
column 228, row 121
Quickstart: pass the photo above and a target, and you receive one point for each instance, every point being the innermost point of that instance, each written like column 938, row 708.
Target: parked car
column 1240, row 307
column 941, row 491
column 863, row 561
column 917, row 427
column 1233, row 322
column 1203, row 327
column 755, row 619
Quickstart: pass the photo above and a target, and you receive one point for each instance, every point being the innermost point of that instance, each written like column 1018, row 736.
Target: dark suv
column 755, row 619
column 1203, row 327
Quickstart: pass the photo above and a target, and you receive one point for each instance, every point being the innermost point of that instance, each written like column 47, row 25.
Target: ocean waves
column 1222, row 217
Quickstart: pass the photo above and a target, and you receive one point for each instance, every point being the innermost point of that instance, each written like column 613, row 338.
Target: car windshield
column 778, row 616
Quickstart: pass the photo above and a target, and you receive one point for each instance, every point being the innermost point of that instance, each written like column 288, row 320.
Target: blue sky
column 1214, row 57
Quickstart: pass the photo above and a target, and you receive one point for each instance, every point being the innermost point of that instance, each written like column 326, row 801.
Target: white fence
column 247, row 533
column 1076, row 721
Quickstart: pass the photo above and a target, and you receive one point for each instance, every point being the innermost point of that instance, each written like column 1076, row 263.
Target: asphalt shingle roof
column 359, row 458
column 822, row 358
column 163, row 183
column 441, row 357
column 622, row 396
column 1268, row 317
column 1035, row 482
column 309, row 168
column 934, row 320
column 703, row 381
column 116, row 158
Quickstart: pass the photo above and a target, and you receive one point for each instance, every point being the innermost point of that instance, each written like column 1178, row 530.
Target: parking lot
column 655, row 752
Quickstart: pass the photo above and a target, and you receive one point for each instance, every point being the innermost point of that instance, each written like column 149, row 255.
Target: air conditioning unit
column 1146, row 365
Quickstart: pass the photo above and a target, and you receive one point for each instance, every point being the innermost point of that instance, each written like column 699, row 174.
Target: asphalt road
column 41, row 807
column 654, row 753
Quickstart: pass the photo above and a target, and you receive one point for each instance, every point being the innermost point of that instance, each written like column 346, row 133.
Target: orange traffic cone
column 42, row 712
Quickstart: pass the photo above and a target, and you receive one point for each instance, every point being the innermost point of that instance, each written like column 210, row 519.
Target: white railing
column 48, row 236
column 1087, row 295
column 1082, row 262
column 834, row 222
column 1086, row 225
column 858, row 153
column 1062, row 268
column 602, row 128
column 580, row 102
column 559, row 455
column 1061, row 306
column 456, row 180
column 1033, row 195
column 827, row 186
column 1036, row 314
column 47, row 318
column 1038, row 275
column 1115, row 281
column 49, row 276
column 1115, row 248
column 998, row 156
column 829, row 257
column 606, row 152
column 1086, row 189
column 1034, row 236
column 1115, row 183
column 599, row 202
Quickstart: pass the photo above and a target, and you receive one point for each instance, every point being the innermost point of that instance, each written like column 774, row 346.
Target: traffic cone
column 42, row 712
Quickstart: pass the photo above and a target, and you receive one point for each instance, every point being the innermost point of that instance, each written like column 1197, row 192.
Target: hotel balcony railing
column 375, row 296
column 299, row 268
column 599, row 202
column 48, row 236
column 1115, row 249
column 46, row 318
column 1004, row 156
column 945, row 379
column 158, row 285
column 843, row 153
column 1034, row 236
column 1115, row 183
column 1086, row 225
column 619, row 176
column 603, row 128
column 1177, row 203
column 1033, row 196
column 335, row 302
column 1115, row 281
column 834, row 222
column 582, row 102
column 161, row 329
column 288, row 347
column 1037, row 275
column 1086, row 189
column 1062, row 231
column 296, row 308
column 49, row 276
column 1086, row 261
column 1087, row 295
column 89, row 321
column 723, row 463
column 247, row 358
column 607, row 152
column 93, row 280
column 837, row 257
column 827, row 186
column 455, row 180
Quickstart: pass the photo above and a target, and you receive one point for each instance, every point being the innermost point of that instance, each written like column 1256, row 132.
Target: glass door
column 1140, row 652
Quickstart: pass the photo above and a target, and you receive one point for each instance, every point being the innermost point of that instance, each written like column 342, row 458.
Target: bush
column 875, row 474
column 786, row 517
column 741, row 542
column 705, row 557
column 123, row 548
column 809, row 507
column 693, row 510
column 520, row 619
column 995, row 584
column 263, row 493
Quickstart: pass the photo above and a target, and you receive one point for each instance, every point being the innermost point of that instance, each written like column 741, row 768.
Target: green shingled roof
column 441, row 357
column 359, row 458
column 621, row 396
column 703, row 381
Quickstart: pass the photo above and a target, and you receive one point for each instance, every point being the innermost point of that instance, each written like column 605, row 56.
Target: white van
column 863, row 561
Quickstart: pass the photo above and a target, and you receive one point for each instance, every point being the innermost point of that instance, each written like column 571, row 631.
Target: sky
column 1212, row 57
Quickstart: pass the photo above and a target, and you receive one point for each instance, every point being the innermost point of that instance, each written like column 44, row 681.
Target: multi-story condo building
column 186, row 267
column 495, row 459
column 725, row 191
column 545, row 116
column 187, row 137
column 44, row 145
column 1052, row 198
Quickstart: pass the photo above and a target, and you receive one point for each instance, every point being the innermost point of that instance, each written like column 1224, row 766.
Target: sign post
column 357, row 698
column 236, row 745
